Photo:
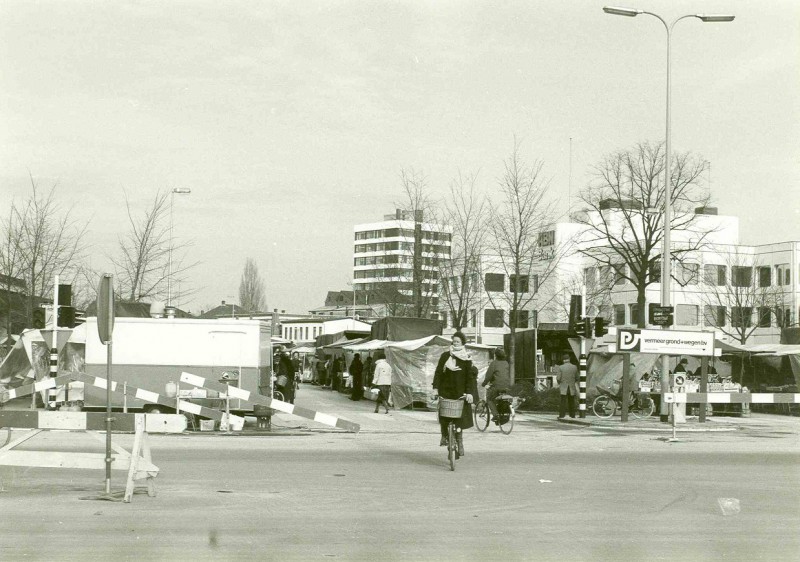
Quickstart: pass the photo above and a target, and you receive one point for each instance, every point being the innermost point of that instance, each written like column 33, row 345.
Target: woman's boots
column 460, row 443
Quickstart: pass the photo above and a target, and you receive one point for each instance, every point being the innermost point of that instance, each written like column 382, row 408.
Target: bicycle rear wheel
column 604, row 406
column 643, row 407
column 451, row 445
column 277, row 395
column 482, row 416
column 509, row 425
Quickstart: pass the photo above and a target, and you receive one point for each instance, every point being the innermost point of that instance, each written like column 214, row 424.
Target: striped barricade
column 278, row 405
column 39, row 386
column 138, row 462
column 236, row 422
column 732, row 398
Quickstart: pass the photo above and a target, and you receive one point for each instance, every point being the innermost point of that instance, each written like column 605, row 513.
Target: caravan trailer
column 151, row 353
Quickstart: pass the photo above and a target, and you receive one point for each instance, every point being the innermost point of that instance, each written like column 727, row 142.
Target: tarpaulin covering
column 400, row 329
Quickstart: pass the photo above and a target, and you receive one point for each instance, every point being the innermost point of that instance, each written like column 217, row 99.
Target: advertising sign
column 667, row 342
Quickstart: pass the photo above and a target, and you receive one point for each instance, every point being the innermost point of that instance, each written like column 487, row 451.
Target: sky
column 292, row 121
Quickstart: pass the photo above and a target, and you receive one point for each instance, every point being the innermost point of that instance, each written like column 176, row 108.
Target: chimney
column 223, row 303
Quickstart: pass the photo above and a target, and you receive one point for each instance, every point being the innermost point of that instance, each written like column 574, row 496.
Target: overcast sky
column 291, row 121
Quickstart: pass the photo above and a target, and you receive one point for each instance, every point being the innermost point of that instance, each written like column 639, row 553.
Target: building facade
column 397, row 261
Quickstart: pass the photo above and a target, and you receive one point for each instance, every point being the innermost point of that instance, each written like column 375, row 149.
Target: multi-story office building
column 397, row 261
column 725, row 286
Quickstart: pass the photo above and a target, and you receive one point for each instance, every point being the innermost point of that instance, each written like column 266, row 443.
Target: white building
column 397, row 260
column 307, row 329
column 721, row 267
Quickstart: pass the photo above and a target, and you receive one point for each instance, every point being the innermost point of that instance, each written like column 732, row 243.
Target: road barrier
column 732, row 398
column 138, row 462
column 285, row 407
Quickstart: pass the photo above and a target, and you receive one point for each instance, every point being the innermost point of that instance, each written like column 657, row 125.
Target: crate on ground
column 207, row 425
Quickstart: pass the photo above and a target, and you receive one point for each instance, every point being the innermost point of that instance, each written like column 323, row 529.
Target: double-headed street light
column 666, row 245
column 179, row 191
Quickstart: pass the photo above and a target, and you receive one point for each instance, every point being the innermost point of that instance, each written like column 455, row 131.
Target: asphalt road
column 549, row 491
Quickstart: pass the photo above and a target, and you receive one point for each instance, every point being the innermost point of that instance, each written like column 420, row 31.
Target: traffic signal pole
column 582, row 379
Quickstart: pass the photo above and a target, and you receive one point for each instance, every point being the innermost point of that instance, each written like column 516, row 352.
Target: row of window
column 496, row 282
column 405, row 246
column 301, row 333
column 493, row 318
column 396, row 272
column 716, row 316
column 401, row 232
column 689, row 274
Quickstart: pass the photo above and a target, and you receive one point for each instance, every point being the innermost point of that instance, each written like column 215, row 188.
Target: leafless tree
column 251, row 288
column 419, row 207
column 623, row 212
column 142, row 264
column 11, row 272
column 50, row 243
column 517, row 220
column 464, row 212
column 739, row 296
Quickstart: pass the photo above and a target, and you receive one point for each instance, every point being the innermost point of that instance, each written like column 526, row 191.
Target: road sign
column 105, row 308
column 662, row 315
column 666, row 342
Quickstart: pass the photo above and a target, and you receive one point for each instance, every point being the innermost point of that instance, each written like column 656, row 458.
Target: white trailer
column 151, row 353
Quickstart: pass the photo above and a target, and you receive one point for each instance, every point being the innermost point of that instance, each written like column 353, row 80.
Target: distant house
column 131, row 309
column 225, row 310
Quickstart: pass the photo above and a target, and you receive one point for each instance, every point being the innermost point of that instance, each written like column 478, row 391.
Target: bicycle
column 451, row 409
column 606, row 403
column 506, row 411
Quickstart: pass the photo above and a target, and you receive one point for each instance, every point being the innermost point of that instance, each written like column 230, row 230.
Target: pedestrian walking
column 567, row 378
column 285, row 379
column 357, row 377
column 383, row 380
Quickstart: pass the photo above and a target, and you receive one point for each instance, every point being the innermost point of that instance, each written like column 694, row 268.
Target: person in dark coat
column 567, row 386
column 285, row 369
column 357, row 372
column 454, row 378
column 497, row 380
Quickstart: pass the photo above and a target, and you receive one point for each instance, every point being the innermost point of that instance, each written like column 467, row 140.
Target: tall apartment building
column 396, row 262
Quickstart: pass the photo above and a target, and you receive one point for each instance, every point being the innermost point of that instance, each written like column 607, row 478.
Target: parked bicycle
column 506, row 405
column 452, row 410
column 607, row 402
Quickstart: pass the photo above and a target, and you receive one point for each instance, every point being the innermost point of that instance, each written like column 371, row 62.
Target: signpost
column 662, row 315
column 663, row 342
column 105, row 327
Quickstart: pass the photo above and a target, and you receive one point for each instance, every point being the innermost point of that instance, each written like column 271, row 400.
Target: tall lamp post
column 179, row 191
column 666, row 272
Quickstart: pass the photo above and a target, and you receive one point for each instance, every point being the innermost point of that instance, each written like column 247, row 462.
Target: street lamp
column 665, row 251
column 179, row 191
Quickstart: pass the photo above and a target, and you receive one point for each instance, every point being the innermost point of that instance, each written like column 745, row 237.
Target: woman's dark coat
column 454, row 384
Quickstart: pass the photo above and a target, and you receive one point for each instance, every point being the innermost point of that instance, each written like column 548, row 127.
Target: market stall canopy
column 339, row 344
column 395, row 328
column 367, row 345
column 304, row 349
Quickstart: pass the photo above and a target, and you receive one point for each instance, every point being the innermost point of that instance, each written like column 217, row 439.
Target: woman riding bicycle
column 454, row 378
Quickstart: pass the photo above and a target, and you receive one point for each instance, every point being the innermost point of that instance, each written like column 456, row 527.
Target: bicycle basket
column 450, row 408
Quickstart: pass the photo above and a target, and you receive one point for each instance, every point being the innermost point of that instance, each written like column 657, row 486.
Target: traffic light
column 39, row 320
column 583, row 327
column 600, row 329
column 66, row 316
column 575, row 311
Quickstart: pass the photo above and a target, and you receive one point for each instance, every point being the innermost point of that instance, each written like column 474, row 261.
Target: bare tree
column 50, row 243
column 459, row 277
column 251, row 288
column 623, row 215
column 419, row 207
column 143, row 262
column 11, row 271
column 739, row 296
column 517, row 221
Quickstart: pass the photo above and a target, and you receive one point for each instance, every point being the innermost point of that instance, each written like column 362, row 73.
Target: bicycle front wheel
column 509, row 425
column 451, row 445
column 604, row 406
column 643, row 407
column 482, row 416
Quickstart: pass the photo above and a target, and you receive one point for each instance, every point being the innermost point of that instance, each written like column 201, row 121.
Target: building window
column 714, row 315
column 495, row 282
column 764, row 316
column 687, row 315
column 741, row 276
column 619, row 273
column 764, row 277
column 520, row 319
column 687, row 274
column 655, row 271
column 715, row 275
column 741, row 316
column 518, row 283
column 493, row 318
column 590, row 276
column 619, row 314
column 783, row 317
column 634, row 313
column 783, row 275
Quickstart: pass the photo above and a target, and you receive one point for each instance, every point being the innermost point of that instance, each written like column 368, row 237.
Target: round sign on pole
column 105, row 308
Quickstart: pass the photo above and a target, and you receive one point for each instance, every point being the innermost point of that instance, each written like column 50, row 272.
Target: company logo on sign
column 629, row 340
